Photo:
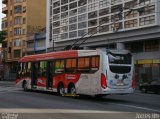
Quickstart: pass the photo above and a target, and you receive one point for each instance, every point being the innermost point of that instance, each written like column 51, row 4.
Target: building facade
column 22, row 19
column 104, row 23
column 36, row 44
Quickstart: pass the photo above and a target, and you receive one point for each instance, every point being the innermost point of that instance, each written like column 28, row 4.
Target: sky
column 1, row 15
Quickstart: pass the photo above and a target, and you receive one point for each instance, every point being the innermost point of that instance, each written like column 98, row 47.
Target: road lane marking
column 133, row 106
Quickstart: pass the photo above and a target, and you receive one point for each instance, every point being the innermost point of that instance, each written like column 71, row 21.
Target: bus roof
column 57, row 55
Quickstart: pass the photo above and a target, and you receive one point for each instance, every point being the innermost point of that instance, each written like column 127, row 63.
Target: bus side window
column 43, row 66
column 95, row 63
column 71, row 65
column 29, row 69
column 83, row 64
column 59, row 66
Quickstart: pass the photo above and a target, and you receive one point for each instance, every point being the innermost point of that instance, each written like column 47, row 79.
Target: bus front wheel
column 60, row 89
column 25, row 86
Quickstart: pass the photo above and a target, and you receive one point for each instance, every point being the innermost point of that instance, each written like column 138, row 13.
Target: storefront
column 147, row 70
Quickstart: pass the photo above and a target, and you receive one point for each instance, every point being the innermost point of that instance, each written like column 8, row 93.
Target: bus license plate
column 120, row 83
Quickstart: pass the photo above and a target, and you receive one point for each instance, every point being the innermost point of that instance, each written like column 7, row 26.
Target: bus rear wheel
column 72, row 89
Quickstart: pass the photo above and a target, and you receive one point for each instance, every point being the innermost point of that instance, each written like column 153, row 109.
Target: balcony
column 5, row 10
column 4, row 1
column 4, row 19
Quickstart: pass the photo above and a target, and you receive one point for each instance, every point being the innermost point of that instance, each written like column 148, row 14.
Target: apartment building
column 22, row 19
column 106, row 23
column 36, row 43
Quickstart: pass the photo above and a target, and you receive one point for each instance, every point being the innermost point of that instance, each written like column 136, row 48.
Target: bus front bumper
column 117, row 91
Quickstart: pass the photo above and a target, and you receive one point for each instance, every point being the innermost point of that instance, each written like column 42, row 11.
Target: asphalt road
column 17, row 104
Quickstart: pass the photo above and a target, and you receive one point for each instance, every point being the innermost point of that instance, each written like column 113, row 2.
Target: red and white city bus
column 90, row 72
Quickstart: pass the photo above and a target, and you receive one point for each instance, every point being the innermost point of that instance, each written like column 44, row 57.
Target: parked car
column 151, row 86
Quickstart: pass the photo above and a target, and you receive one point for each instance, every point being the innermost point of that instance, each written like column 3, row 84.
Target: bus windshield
column 119, row 58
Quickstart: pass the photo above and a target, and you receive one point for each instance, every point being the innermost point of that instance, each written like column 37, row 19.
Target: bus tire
column 72, row 89
column 25, row 85
column 60, row 89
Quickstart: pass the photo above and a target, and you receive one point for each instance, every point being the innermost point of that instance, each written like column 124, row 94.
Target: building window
column 56, row 17
column 73, row 27
column 147, row 20
column 116, row 8
column 117, row 26
column 92, row 23
column 56, row 37
column 82, row 32
column 56, row 24
column 104, row 12
column 73, row 34
column 56, row 4
column 82, row 9
column 30, row 45
column 82, row 17
column 92, row 15
column 56, row 11
column 17, row 20
column 71, row 0
column 103, row 28
column 116, row 17
column 73, row 12
column 115, row 1
column 64, row 2
column 24, row 9
column 18, row 9
column 91, row 1
column 64, row 8
column 17, row 31
column 104, row 3
column 130, row 4
column 145, row 2
column 82, row 2
column 24, row 20
column 103, row 20
column 56, row 31
column 17, row 42
column 24, row 31
column 92, row 31
column 64, row 29
column 64, row 15
column 73, row 5
column 72, row 20
column 147, row 10
column 64, row 36
column 64, row 22
column 131, row 14
column 131, row 23
column 135, row 47
column 82, row 25
column 17, row 53
column 151, row 45
column 92, row 7
column 40, row 43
